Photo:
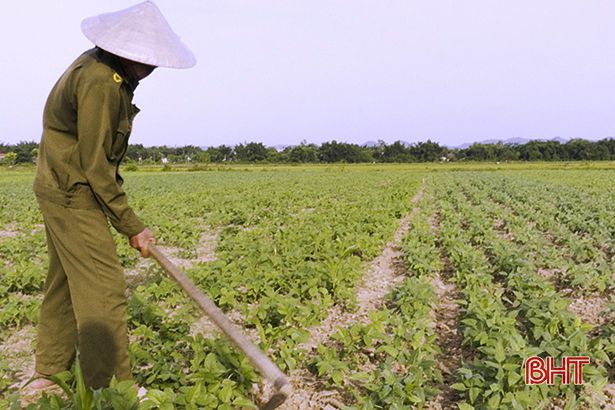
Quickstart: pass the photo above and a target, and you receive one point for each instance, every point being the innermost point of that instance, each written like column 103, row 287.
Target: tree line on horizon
column 334, row 152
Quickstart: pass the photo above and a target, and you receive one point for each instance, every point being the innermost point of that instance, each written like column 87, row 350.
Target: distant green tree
column 607, row 146
column 240, row 153
column 136, row 151
column 550, row 150
column 303, row 153
column 272, row 155
column 481, row 152
column 506, row 152
column 202, row 157
column 427, row 151
column 10, row 158
column 188, row 153
column 334, row 151
column 220, row 154
column 24, row 153
column 397, row 152
column 155, row 154
column 174, row 158
column 331, row 151
column 530, row 152
column 255, row 152
column 583, row 150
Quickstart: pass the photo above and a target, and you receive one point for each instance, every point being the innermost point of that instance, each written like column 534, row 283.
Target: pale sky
column 284, row 71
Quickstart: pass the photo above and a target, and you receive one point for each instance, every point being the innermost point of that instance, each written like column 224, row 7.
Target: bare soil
column 206, row 328
column 17, row 351
column 549, row 274
column 5, row 262
column 9, row 231
column 205, row 251
column 136, row 276
column 450, row 340
column 502, row 231
column 592, row 309
column 308, row 393
column 446, row 317
column 37, row 228
column 609, row 401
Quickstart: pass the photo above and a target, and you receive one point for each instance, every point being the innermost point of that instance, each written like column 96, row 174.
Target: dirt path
column 592, row 309
column 18, row 353
column 446, row 318
column 9, row 231
column 205, row 251
column 382, row 274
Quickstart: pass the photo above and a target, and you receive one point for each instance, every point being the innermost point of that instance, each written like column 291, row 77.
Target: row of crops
column 517, row 246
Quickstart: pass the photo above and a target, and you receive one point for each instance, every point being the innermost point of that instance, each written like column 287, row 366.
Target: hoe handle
column 264, row 365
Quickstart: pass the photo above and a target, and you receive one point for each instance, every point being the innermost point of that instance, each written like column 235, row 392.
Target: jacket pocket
column 120, row 140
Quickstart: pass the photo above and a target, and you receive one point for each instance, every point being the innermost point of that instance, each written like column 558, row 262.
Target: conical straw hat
column 139, row 33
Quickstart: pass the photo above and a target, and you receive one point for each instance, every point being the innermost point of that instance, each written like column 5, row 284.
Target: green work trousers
column 84, row 306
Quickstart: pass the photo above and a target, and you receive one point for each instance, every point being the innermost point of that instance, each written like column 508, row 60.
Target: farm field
column 372, row 286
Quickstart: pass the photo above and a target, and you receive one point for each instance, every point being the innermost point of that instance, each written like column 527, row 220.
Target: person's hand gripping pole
column 141, row 240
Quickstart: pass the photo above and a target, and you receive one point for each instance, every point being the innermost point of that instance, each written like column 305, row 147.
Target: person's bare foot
column 32, row 389
column 37, row 382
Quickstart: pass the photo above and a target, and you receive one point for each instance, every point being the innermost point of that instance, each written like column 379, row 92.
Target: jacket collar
column 114, row 62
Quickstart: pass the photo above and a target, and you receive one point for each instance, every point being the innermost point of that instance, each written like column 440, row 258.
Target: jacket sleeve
column 98, row 113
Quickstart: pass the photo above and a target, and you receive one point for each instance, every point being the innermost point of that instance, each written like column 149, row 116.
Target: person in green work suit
column 86, row 125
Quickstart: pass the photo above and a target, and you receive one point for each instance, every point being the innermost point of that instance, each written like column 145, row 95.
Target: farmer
column 86, row 124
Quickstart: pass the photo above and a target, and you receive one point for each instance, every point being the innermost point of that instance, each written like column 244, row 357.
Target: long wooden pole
column 264, row 365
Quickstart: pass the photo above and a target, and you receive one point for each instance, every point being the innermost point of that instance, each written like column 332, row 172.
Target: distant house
column 165, row 160
column 2, row 154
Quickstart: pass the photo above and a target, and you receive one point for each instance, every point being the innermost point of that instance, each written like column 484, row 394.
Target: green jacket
column 86, row 124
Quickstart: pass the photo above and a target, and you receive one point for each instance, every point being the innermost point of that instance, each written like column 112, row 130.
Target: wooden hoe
column 264, row 365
